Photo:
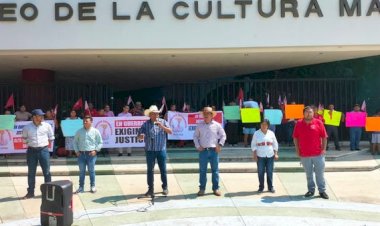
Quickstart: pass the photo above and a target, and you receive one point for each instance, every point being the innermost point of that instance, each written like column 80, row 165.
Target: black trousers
column 332, row 132
column 232, row 131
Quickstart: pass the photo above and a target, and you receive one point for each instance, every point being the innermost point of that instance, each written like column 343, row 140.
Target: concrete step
column 357, row 161
column 183, row 155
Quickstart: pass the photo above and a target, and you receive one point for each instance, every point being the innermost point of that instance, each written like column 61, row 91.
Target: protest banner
column 183, row 124
column 294, row 111
column 355, row 119
column 231, row 112
column 334, row 119
column 11, row 141
column 118, row 132
column 274, row 116
column 250, row 115
column 372, row 124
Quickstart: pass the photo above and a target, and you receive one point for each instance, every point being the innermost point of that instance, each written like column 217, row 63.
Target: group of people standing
column 38, row 136
column 310, row 138
column 209, row 138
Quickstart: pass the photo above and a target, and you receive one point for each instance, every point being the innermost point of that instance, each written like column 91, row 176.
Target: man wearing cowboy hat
column 153, row 132
column 209, row 137
column 37, row 136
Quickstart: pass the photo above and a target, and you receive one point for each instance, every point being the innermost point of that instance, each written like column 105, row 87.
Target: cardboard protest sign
column 250, row 115
column 7, row 122
column 355, row 119
column 71, row 126
column 231, row 112
column 372, row 124
column 274, row 116
column 334, row 119
column 294, row 111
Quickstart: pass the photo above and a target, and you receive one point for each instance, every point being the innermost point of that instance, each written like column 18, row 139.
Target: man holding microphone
column 153, row 132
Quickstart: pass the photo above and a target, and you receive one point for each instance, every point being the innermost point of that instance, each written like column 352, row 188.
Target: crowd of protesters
column 237, row 132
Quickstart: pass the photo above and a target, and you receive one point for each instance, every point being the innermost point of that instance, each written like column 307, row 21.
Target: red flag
column 261, row 107
column 10, row 102
column 78, row 104
column 240, row 97
column 364, row 106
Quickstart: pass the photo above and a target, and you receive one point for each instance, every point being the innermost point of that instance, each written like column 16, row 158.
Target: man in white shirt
column 265, row 150
column 209, row 137
column 37, row 136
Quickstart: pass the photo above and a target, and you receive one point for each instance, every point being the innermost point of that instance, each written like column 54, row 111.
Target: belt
column 210, row 148
column 37, row 148
column 264, row 144
column 84, row 152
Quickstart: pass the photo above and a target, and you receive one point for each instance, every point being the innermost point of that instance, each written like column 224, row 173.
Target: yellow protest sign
column 250, row 115
column 334, row 119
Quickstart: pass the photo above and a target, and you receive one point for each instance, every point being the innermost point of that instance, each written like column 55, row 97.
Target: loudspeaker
column 57, row 204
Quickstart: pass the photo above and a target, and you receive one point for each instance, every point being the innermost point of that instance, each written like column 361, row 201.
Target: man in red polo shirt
column 310, row 139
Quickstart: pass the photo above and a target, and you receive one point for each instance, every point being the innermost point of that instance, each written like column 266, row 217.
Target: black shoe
column 358, row 149
column 260, row 190
column 120, row 154
column 272, row 190
column 28, row 196
column 309, row 194
column 129, row 154
column 324, row 195
column 338, row 149
column 165, row 191
column 149, row 193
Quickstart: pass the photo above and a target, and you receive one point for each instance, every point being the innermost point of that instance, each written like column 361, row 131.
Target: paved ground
column 354, row 197
column 354, row 201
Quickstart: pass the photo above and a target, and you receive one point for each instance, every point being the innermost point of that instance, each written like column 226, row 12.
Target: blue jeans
column 265, row 165
column 33, row 156
column 85, row 159
column 206, row 156
column 355, row 135
column 151, row 157
column 314, row 164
